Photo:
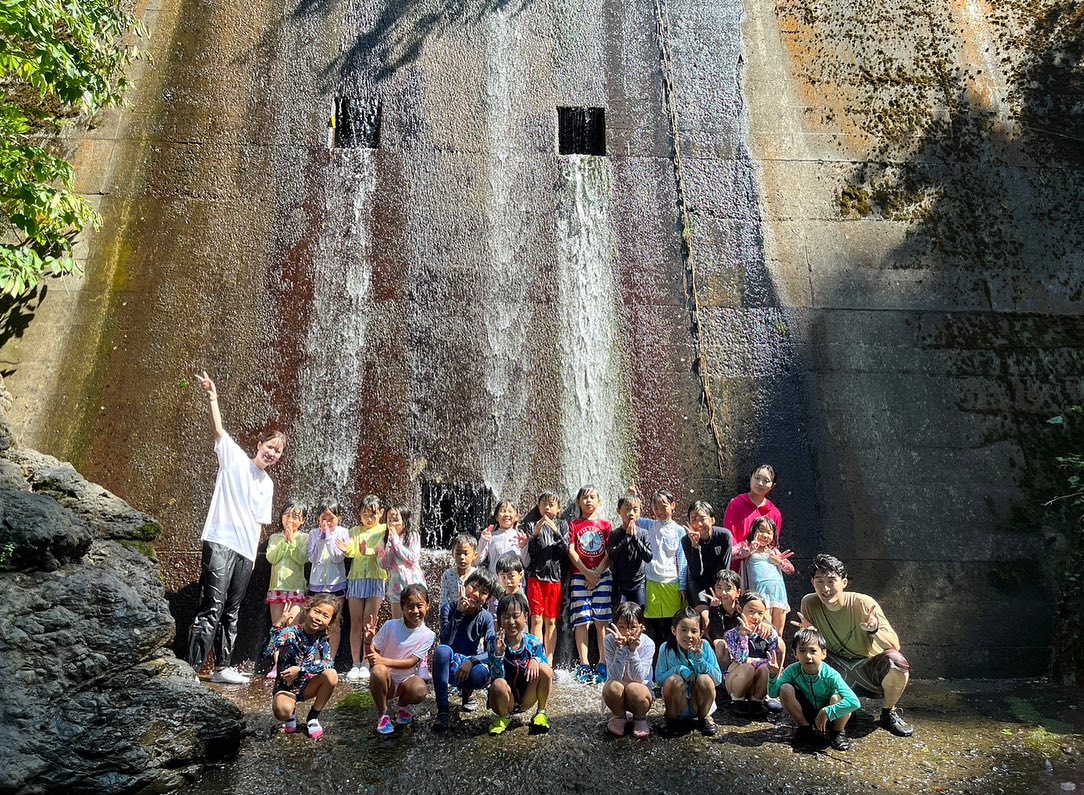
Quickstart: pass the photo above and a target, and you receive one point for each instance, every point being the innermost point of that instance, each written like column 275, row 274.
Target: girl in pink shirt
column 400, row 554
column 745, row 509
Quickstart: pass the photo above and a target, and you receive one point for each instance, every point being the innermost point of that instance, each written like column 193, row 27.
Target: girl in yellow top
column 366, row 580
column 287, row 552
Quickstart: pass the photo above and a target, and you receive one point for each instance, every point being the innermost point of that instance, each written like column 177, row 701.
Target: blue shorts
column 365, row 588
column 591, row 605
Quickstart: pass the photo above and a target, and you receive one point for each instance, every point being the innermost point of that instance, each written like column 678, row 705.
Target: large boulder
column 93, row 699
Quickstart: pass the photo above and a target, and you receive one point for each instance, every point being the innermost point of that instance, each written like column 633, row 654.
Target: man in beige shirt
column 862, row 646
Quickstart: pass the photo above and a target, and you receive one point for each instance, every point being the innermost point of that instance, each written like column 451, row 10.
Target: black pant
column 637, row 594
column 223, row 582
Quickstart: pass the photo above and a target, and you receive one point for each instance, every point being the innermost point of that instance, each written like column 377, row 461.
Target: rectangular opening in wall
column 357, row 122
column 581, row 131
column 449, row 509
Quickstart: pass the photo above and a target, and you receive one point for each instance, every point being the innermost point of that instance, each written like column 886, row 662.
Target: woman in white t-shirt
column 241, row 503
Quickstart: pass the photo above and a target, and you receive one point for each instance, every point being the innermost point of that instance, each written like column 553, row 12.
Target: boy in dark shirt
column 460, row 659
column 629, row 554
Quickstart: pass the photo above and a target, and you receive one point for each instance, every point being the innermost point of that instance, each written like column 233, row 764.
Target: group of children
column 678, row 612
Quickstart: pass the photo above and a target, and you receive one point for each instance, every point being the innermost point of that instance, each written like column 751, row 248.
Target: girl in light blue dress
column 764, row 568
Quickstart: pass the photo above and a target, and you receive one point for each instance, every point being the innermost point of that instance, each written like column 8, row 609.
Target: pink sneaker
column 405, row 716
column 384, row 725
column 316, row 731
column 290, row 726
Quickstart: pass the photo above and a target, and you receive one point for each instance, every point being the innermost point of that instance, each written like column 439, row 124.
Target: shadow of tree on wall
column 993, row 191
column 16, row 312
column 397, row 35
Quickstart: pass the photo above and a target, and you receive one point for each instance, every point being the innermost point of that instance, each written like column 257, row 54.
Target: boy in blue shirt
column 460, row 659
column 813, row 692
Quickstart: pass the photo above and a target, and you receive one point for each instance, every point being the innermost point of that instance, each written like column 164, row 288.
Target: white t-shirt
column 241, row 502
column 396, row 642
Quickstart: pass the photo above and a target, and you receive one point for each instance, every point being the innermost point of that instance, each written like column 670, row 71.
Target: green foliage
column 58, row 59
column 1067, row 514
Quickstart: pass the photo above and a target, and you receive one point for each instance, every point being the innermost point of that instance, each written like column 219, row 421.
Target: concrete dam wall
column 547, row 243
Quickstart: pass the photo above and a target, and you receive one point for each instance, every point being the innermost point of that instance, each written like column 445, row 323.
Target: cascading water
column 503, row 458
column 592, row 431
column 330, row 398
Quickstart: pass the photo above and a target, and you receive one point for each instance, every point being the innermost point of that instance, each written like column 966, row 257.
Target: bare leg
column 637, row 700
column 673, row 696
column 357, row 628
column 396, row 609
column 779, row 619
column 321, row 688
column 704, row 696
column 276, row 621
column 536, row 626
column 412, row 691
column 614, row 696
column 380, row 687
column 760, row 683
column 580, row 633
column 282, row 706
column 791, row 705
column 550, row 638
column 600, row 636
column 894, row 683
column 538, row 691
column 500, row 697
column 739, row 679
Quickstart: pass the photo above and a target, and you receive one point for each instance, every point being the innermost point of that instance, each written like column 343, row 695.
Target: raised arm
column 212, row 395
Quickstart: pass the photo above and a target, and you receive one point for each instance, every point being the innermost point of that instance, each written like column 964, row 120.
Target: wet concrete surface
column 971, row 736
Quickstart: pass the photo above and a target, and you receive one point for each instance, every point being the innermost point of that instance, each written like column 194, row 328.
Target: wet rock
column 93, row 698
column 38, row 533
column 106, row 514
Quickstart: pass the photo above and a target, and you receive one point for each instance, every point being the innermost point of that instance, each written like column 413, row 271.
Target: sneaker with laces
column 540, row 723
column 442, row 722
column 892, row 720
column 354, row 674
column 470, row 704
column 404, row 716
column 384, row 725
column 500, row 724
column 229, row 676
column 315, row 730
column 364, row 672
column 600, row 673
column 838, row 740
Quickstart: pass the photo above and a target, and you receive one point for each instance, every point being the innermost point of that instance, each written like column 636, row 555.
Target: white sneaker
column 354, row 674
column 229, row 676
column 364, row 672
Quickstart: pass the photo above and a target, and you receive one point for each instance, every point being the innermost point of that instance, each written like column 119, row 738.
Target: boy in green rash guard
column 814, row 693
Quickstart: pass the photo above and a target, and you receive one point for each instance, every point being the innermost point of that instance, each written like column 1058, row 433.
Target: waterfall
column 593, row 401
column 330, row 381
column 502, row 452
